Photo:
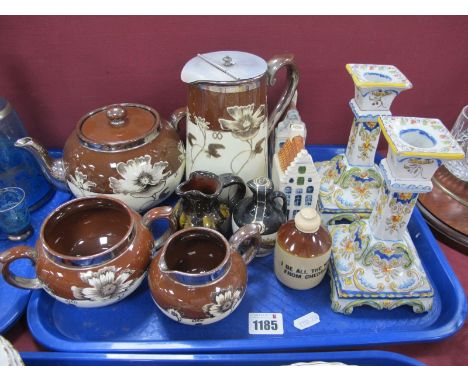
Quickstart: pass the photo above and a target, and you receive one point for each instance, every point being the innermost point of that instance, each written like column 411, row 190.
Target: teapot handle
column 279, row 194
column 177, row 116
column 276, row 63
column 160, row 213
column 228, row 180
column 16, row 253
column 250, row 232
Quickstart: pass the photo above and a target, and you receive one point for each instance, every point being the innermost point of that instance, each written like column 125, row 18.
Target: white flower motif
column 175, row 314
column 104, row 285
column 80, row 181
column 223, row 301
column 201, row 122
column 246, row 123
column 140, row 177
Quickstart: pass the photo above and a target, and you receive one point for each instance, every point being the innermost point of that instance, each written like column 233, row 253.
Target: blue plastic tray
column 136, row 325
column 360, row 358
column 13, row 301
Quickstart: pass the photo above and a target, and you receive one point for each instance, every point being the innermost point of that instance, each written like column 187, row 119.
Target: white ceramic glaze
column 417, row 147
column 139, row 201
column 376, row 86
column 351, row 182
column 374, row 262
column 300, row 182
column 225, row 151
column 381, row 274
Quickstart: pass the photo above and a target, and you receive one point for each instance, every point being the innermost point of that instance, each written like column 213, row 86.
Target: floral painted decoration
column 103, row 284
column 140, row 178
column 81, row 182
column 223, row 301
column 246, row 123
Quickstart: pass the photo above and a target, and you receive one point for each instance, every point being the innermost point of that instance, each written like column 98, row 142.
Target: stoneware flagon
column 302, row 250
column 200, row 204
column 125, row 151
column 91, row 252
column 198, row 277
column 228, row 126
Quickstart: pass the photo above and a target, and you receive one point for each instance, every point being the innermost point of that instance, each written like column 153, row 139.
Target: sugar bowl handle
column 177, row 116
column 228, row 180
column 160, row 213
column 249, row 233
column 13, row 254
column 275, row 64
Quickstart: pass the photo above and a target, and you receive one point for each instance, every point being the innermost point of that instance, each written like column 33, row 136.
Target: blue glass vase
column 17, row 167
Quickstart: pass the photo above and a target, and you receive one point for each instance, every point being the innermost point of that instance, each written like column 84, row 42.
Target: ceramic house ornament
column 351, row 181
column 289, row 127
column 294, row 173
column 374, row 262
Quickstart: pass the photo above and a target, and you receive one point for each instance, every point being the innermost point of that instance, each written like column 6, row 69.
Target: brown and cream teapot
column 91, row 252
column 125, row 151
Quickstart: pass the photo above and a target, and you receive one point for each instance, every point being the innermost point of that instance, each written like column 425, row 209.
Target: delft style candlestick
column 351, row 181
column 374, row 262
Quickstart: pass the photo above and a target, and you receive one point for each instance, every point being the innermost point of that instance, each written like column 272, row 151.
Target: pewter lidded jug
column 227, row 114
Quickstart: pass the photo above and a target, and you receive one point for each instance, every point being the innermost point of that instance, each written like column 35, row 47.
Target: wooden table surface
column 451, row 351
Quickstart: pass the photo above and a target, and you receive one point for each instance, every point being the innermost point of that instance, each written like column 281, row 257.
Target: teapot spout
column 52, row 168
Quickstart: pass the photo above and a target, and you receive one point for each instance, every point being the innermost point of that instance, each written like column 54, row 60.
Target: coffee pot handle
column 228, row 180
column 275, row 64
column 250, row 233
column 177, row 116
column 282, row 196
column 157, row 213
column 16, row 253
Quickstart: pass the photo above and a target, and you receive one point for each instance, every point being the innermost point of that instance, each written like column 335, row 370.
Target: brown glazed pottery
column 125, row 151
column 91, row 252
column 227, row 115
column 200, row 204
column 302, row 250
column 198, row 277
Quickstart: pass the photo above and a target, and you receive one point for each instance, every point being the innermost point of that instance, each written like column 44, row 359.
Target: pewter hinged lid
column 118, row 127
column 223, row 66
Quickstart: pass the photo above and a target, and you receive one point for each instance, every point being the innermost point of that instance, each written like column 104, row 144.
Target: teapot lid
column 223, row 66
column 118, row 127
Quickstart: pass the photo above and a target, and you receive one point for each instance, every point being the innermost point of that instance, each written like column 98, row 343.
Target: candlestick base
column 347, row 193
column 382, row 274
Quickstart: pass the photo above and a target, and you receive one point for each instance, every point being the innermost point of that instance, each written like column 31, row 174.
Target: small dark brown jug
column 91, row 252
column 198, row 277
column 263, row 209
column 200, row 204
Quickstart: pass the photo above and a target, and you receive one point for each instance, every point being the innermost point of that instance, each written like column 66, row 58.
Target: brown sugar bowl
column 198, row 277
column 91, row 252
column 124, row 150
